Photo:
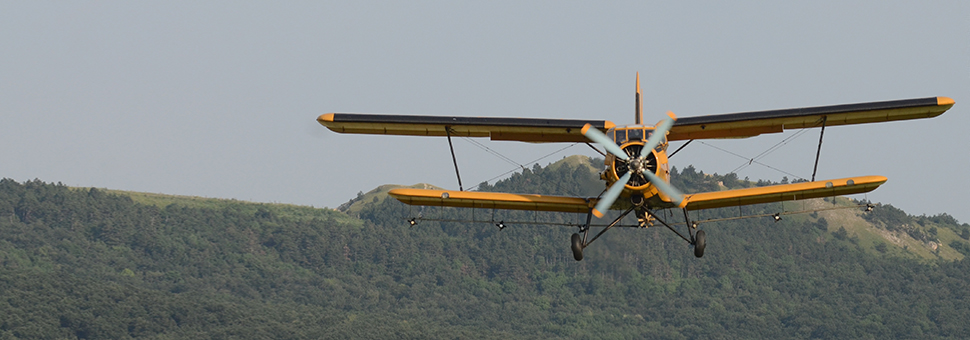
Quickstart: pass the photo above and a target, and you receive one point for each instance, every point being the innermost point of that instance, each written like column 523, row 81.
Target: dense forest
column 93, row 264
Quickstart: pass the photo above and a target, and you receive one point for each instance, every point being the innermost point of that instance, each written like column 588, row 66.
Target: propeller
column 658, row 134
column 611, row 195
column 638, row 164
column 598, row 137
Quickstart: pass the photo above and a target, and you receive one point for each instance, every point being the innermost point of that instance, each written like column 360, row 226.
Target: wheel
column 577, row 247
column 699, row 243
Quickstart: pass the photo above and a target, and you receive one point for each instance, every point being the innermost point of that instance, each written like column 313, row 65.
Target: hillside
column 376, row 196
column 282, row 210
column 94, row 264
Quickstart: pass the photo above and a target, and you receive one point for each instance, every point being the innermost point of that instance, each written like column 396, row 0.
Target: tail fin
column 639, row 117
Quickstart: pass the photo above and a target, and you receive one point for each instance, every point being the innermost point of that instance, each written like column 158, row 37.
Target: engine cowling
column 649, row 163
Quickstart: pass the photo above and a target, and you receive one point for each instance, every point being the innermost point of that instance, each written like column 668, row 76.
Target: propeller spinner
column 636, row 165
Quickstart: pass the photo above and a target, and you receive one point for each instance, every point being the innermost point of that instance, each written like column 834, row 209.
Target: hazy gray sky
column 219, row 99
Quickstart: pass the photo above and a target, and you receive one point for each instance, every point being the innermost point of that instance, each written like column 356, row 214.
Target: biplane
column 636, row 173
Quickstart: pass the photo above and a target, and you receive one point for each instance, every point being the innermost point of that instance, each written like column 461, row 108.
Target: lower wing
column 493, row 200
column 783, row 192
column 698, row 201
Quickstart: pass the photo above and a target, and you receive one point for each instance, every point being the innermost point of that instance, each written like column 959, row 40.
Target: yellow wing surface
column 493, row 200
column 783, row 192
column 698, row 201
column 748, row 124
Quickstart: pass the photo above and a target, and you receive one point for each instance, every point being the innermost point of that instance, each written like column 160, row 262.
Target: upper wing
column 493, row 200
column 516, row 129
column 783, row 192
column 748, row 124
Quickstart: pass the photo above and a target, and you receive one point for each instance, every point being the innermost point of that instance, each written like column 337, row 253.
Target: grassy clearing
column 379, row 194
column 576, row 161
column 289, row 211
column 894, row 243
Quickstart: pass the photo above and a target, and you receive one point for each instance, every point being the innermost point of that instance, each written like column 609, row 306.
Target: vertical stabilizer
column 639, row 117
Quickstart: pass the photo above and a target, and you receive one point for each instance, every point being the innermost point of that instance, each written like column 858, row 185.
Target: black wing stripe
column 458, row 121
column 806, row 111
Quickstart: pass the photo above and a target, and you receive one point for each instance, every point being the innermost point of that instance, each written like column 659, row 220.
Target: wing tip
column 398, row 194
column 325, row 118
column 943, row 101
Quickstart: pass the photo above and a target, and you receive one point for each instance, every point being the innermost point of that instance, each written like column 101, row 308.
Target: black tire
column 577, row 247
column 700, row 241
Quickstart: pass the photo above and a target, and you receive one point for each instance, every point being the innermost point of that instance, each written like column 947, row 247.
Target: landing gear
column 577, row 247
column 700, row 241
column 645, row 217
column 580, row 242
column 696, row 239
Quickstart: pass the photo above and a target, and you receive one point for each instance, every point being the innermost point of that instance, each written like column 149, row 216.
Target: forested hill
column 92, row 264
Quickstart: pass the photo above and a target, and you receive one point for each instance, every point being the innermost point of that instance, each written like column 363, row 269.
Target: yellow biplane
column 636, row 170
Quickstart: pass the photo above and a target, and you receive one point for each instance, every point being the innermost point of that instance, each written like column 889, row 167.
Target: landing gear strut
column 579, row 242
column 696, row 239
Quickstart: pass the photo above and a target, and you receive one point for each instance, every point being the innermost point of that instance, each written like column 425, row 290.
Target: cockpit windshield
column 635, row 134
column 622, row 136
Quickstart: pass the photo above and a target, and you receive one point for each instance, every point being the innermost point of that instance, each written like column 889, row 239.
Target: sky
column 219, row 98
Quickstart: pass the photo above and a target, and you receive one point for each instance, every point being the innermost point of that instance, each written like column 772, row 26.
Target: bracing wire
column 749, row 161
column 773, row 148
column 778, row 145
column 493, row 152
column 518, row 166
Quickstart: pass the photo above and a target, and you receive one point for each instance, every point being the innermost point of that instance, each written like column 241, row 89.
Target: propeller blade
column 606, row 201
column 658, row 134
column 672, row 193
column 598, row 137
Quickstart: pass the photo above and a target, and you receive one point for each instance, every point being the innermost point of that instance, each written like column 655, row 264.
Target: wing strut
column 611, row 225
column 678, row 149
column 594, row 148
column 453, row 159
column 819, row 152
